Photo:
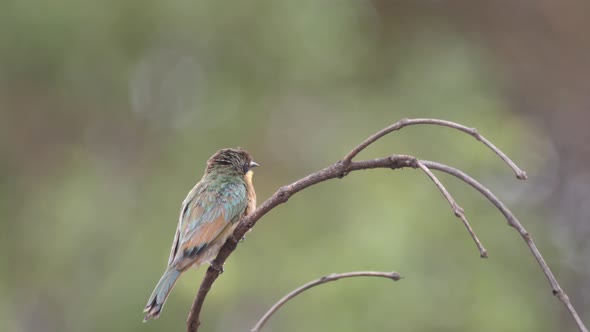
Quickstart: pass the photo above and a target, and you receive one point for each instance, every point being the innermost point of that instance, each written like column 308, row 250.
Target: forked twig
column 346, row 165
column 510, row 218
column 332, row 277
column 514, row 223
column 459, row 212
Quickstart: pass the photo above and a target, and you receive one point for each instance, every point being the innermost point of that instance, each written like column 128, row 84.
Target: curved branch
column 520, row 174
column 332, row 277
column 337, row 170
column 341, row 169
column 514, row 223
column 510, row 218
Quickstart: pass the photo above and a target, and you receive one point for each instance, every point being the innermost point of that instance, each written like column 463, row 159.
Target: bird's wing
column 204, row 216
column 183, row 213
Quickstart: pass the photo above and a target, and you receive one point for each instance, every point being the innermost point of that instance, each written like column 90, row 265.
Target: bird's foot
column 244, row 237
column 219, row 269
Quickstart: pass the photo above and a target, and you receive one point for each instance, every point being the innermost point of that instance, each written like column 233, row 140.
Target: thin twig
column 332, row 277
column 459, row 212
column 510, row 218
column 513, row 222
column 520, row 174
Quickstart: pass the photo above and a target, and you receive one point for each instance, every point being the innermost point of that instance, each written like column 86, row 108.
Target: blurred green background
column 109, row 111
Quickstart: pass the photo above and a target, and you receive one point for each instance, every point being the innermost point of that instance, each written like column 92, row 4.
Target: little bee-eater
column 209, row 214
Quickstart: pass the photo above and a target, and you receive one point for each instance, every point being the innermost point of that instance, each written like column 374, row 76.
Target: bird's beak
column 253, row 164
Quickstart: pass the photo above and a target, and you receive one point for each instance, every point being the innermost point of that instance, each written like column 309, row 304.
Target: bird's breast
column 251, row 194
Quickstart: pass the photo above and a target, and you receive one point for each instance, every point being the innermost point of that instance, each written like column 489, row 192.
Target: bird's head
column 231, row 160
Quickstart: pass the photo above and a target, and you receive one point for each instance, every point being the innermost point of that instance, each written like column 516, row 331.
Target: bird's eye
column 246, row 167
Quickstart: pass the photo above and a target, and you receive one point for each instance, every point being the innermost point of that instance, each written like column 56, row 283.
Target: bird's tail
column 160, row 293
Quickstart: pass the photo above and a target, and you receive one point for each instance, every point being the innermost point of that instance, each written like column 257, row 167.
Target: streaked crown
column 236, row 159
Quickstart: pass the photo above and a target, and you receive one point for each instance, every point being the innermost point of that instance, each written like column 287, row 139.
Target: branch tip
column 394, row 276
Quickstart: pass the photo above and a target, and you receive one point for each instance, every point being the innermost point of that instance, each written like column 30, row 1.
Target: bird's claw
column 218, row 269
column 244, row 236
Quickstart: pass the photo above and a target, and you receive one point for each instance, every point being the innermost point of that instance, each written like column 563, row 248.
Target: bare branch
column 459, row 212
column 332, row 277
column 513, row 222
column 520, row 174
column 345, row 166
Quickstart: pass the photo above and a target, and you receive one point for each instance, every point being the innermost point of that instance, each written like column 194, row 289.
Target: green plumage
column 218, row 193
column 209, row 212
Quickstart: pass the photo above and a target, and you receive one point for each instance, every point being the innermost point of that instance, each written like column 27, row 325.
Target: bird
column 208, row 216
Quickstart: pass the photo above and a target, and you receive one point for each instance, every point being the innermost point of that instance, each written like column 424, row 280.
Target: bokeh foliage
column 109, row 110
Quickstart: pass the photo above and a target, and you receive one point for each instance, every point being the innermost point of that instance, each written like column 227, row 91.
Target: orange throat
column 251, row 193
